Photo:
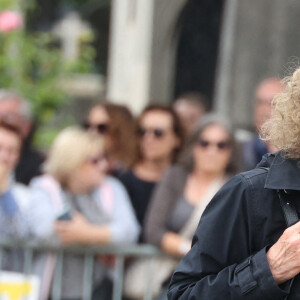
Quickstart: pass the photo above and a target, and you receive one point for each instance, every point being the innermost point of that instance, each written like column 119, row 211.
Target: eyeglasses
column 102, row 128
column 222, row 145
column 156, row 132
column 97, row 159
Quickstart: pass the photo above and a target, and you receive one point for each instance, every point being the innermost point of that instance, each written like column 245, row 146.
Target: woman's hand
column 73, row 231
column 175, row 244
column 80, row 231
column 284, row 256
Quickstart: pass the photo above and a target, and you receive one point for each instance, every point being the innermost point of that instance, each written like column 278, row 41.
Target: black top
column 139, row 191
column 228, row 257
column 29, row 165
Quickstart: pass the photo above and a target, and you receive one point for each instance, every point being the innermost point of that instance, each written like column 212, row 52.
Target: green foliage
column 7, row 4
column 32, row 65
column 85, row 63
column 17, row 4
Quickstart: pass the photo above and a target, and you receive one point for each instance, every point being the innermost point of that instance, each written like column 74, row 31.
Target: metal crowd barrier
column 121, row 251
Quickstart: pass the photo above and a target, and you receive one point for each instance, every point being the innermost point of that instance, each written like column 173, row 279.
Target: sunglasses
column 102, row 128
column 223, row 145
column 97, row 160
column 156, row 132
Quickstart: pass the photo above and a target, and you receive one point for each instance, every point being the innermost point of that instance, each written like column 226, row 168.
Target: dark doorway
column 198, row 26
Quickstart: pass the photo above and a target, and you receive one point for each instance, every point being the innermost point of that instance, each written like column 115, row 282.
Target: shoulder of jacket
column 257, row 172
column 20, row 187
column 112, row 183
column 21, row 194
column 44, row 179
column 110, row 179
column 255, row 177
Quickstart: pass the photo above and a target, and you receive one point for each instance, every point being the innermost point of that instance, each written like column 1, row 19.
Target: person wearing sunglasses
column 160, row 137
column 207, row 162
column 75, row 202
column 115, row 123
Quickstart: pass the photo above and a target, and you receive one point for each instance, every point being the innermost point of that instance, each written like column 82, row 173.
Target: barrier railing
column 121, row 251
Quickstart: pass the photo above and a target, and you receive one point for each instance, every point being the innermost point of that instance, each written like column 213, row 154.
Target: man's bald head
column 264, row 95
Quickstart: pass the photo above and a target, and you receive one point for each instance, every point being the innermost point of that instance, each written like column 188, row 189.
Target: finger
column 61, row 228
column 78, row 217
column 64, row 235
column 65, row 240
column 62, row 223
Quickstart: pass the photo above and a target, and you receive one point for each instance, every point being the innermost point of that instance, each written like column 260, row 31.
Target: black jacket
column 228, row 256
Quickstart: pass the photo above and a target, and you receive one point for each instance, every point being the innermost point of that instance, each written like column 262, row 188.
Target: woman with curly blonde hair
column 242, row 248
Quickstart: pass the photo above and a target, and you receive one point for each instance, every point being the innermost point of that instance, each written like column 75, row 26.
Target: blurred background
column 65, row 55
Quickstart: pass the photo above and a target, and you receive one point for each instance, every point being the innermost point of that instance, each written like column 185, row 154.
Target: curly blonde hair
column 283, row 128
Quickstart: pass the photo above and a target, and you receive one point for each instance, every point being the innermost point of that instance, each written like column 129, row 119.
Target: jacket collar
column 283, row 174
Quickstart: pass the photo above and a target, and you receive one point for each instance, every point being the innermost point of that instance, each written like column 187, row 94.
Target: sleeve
column 41, row 212
column 221, row 264
column 124, row 226
column 13, row 219
column 8, row 204
column 161, row 204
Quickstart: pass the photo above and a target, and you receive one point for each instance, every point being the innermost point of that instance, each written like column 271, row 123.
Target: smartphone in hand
column 65, row 216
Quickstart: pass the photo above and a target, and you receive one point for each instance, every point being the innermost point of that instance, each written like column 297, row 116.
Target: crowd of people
column 120, row 179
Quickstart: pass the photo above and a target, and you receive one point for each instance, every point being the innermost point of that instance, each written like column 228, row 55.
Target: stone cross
column 69, row 30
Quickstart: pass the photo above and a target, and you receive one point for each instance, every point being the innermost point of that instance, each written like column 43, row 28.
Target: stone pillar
column 130, row 53
column 259, row 40
column 141, row 60
column 164, row 46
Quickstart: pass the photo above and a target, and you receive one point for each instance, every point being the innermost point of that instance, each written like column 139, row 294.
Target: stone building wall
column 260, row 39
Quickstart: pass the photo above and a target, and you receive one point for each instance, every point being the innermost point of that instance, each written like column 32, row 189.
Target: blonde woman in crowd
column 76, row 203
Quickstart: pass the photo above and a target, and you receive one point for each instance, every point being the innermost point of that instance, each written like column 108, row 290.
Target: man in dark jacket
column 242, row 249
